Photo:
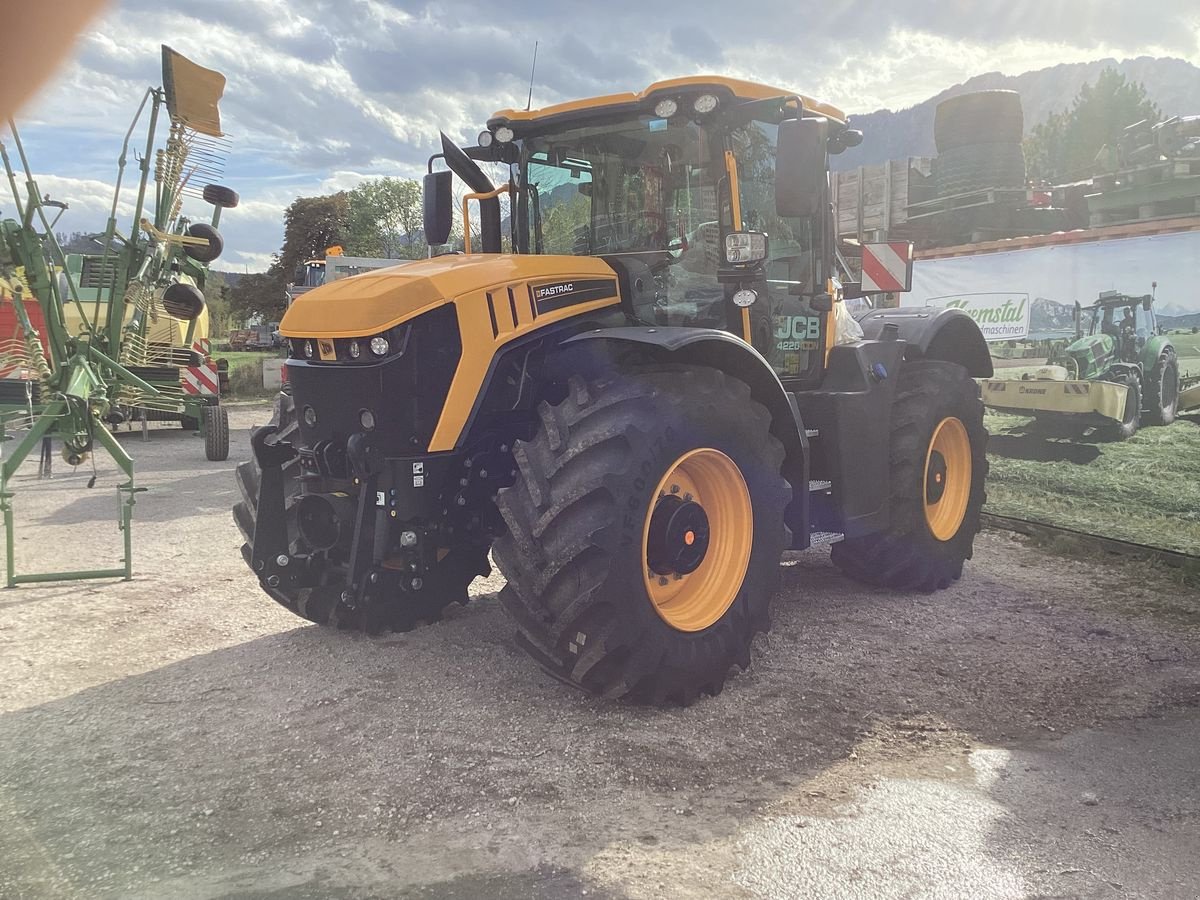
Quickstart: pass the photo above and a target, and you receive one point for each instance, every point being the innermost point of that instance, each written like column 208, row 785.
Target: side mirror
column 801, row 172
column 1146, row 301
column 438, row 204
column 844, row 140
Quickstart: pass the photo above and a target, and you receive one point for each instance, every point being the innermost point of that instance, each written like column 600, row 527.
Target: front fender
column 930, row 333
column 1153, row 350
column 733, row 356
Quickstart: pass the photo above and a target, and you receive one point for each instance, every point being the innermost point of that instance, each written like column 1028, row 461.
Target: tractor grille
column 93, row 275
column 1092, row 355
column 405, row 393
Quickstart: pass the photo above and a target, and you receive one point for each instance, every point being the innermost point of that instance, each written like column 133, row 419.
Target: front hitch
column 270, row 524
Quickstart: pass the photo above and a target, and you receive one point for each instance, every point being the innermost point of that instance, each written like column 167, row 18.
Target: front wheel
column 645, row 532
column 1131, row 421
column 938, row 466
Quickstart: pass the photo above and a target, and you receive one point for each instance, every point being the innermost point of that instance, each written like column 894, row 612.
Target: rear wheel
column 323, row 604
column 938, row 467
column 644, row 533
column 1162, row 390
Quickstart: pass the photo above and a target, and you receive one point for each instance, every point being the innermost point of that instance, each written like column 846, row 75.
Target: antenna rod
column 533, row 68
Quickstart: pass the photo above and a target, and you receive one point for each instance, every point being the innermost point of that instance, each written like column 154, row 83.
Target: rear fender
column 733, row 356
column 946, row 334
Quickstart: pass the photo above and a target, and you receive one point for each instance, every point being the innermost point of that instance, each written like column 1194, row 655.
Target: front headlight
column 380, row 345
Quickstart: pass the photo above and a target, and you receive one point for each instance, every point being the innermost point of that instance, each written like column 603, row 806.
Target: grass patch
column 245, row 374
column 1187, row 347
column 243, row 357
column 1145, row 490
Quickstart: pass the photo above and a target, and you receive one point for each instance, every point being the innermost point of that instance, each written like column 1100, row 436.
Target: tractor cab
column 708, row 197
column 1119, row 327
column 1130, row 320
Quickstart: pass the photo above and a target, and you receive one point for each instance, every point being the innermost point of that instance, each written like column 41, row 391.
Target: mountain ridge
column 1173, row 84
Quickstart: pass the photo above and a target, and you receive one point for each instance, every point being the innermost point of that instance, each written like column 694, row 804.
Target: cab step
column 824, row 538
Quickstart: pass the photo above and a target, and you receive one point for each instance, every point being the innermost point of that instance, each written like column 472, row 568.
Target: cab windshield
column 655, row 193
column 1131, row 318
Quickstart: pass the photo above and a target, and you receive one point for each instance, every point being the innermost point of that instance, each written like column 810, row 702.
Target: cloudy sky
column 323, row 93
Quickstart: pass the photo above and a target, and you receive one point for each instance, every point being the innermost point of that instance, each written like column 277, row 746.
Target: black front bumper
column 401, row 514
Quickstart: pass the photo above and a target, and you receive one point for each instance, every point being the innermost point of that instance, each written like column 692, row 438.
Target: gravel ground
column 1031, row 731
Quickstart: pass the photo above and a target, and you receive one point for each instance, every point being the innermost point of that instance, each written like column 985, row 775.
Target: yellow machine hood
column 375, row 301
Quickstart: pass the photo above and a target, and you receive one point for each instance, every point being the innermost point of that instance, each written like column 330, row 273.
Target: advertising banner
column 1014, row 293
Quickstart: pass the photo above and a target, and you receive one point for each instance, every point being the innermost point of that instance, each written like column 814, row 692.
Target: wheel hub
column 696, row 539
column 948, row 472
column 678, row 538
column 935, row 477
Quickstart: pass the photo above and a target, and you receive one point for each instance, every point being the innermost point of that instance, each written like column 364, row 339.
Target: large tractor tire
column 1162, row 390
column 978, row 167
column 979, row 117
column 645, row 532
column 323, row 604
column 1129, row 425
column 938, row 467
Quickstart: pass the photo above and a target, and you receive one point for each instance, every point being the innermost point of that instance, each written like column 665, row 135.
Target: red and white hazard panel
column 202, row 379
column 887, row 266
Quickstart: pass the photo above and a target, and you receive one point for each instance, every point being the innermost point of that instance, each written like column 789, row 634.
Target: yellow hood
column 375, row 301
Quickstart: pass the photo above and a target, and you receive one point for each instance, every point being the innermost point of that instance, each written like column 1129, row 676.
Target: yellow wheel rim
column 947, row 487
column 696, row 540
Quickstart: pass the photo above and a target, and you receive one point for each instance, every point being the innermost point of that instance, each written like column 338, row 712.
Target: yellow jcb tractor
column 635, row 395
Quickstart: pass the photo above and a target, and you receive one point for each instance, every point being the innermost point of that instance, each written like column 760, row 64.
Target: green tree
column 1065, row 146
column 385, row 219
column 310, row 226
column 259, row 295
column 217, row 297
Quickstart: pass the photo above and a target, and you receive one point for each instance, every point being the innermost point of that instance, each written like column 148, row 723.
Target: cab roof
column 726, row 88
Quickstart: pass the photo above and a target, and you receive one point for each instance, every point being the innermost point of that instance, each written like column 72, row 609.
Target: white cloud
column 322, row 94
column 247, row 262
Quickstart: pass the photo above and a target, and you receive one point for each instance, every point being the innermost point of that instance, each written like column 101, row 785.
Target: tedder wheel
column 645, row 532
column 204, row 253
column 219, row 195
column 938, row 465
column 1129, row 425
column 1162, row 390
column 216, row 433
column 322, row 604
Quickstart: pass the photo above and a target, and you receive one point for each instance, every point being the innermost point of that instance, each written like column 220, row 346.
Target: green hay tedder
column 90, row 341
